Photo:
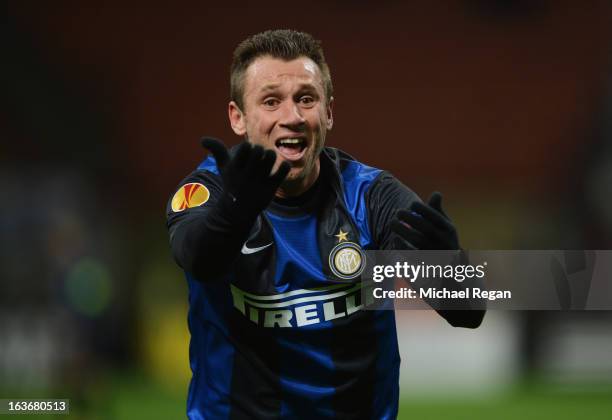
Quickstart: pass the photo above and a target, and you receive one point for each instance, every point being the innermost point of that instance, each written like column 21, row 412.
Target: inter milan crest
column 347, row 260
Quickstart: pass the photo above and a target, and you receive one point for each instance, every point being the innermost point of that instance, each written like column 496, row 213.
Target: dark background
column 503, row 106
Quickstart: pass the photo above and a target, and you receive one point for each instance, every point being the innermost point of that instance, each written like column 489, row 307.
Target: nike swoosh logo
column 246, row 250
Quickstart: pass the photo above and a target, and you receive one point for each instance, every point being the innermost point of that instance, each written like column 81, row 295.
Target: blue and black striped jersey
column 280, row 332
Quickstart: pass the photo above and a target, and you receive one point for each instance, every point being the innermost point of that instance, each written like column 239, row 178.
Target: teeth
column 290, row 141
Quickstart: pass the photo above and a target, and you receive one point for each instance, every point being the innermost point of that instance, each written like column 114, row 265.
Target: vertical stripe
column 211, row 354
column 386, row 397
column 357, row 179
column 354, row 352
column 255, row 388
column 306, row 367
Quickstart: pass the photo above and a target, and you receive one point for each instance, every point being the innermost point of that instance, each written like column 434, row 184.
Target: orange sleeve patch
column 190, row 195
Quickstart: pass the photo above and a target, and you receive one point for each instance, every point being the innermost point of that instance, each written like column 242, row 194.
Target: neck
column 293, row 188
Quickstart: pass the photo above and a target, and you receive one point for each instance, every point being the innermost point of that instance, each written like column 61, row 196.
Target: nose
column 292, row 115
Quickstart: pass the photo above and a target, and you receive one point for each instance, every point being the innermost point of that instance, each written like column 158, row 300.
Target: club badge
column 347, row 260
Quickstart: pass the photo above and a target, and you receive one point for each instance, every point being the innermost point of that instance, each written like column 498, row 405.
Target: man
column 278, row 327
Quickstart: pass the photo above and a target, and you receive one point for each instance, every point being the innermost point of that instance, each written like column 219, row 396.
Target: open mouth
column 291, row 148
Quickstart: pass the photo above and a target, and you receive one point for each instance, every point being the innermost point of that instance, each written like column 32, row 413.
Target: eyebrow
column 269, row 86
column 273, row 86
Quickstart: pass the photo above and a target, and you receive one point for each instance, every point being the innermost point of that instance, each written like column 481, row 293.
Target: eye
column 271, row 102
column 306, row 100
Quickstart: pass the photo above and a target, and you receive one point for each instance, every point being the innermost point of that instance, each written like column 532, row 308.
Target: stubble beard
column 296, row 185
column 293, row 184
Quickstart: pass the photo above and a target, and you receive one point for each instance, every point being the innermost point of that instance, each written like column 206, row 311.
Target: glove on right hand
column 248, row 186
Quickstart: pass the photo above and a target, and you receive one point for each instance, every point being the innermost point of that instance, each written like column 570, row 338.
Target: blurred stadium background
column 504, row 106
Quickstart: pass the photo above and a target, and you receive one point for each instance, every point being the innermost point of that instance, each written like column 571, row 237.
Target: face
column 285, row 110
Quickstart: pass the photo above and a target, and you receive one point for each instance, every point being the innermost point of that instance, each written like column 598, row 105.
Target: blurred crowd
column 504, row 106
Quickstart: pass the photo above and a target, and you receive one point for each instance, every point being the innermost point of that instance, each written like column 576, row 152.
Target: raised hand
column 247, row 179
column 426, row 226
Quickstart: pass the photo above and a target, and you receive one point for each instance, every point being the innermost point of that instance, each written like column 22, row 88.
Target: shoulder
column 348, row 169
column 388, row 188
column 206, row 171
column 196, row 189
column 208, row 165
column 377, row 185
column 353, row 172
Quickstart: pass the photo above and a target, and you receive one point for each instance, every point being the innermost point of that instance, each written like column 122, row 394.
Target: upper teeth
column 290, row 141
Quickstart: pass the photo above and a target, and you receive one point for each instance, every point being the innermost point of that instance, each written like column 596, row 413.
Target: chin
column 295, row 176
column 294, row 179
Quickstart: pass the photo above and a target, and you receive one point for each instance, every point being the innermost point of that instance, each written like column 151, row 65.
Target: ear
column 236, row 118
column 330, row 116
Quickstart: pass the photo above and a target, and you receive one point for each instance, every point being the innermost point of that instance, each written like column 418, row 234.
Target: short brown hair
column 285, row 44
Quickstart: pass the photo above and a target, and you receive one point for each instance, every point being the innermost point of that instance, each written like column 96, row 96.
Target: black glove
column 248, row 186
column 426, row 226
column 208, row 243
column 429, row 228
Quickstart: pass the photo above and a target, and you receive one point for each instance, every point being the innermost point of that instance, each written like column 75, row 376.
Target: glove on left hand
column 426, row 226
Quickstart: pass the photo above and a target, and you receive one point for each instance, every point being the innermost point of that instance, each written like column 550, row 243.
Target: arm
column 206, row 238
column 401, row 221
column 203, row 240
